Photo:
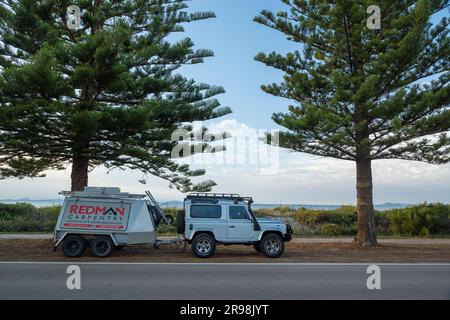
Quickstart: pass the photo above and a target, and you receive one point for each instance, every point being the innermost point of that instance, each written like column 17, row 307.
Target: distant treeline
column 423, row 220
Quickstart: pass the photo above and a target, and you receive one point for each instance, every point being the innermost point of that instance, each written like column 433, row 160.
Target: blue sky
column 236, row 39
column 301, row 178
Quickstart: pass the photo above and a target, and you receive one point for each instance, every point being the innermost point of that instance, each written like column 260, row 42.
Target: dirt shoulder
column 296, row 239
column 41, row 250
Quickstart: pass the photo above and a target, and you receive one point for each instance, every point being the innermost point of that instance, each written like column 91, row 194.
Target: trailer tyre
column 203, row 245
column 180, row 222
column 102, row 247
column 74, row 246
column 272, row 245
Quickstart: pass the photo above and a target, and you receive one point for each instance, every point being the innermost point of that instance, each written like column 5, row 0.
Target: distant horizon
column 166, row 202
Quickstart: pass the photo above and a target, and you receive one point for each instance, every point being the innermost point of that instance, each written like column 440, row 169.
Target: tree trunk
column 79, row 176
column 366, row 215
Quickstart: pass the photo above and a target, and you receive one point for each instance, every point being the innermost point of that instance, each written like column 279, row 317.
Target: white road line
column 223, row 263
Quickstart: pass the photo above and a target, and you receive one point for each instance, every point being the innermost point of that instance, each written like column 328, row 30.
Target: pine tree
column 105, row 93
column 364, row 94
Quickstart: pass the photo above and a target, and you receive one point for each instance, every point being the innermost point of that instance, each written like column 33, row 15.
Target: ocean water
column 179, row 204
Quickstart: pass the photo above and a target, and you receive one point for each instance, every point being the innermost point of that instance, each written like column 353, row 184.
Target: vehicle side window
column 206, row 211
column 238, row 212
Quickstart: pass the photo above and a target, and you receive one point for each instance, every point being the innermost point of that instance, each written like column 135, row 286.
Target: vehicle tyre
column 180, row 222
column 169, row 219
column 257, row 246
column 102, row 246
column 272, row 245
column 74, row 246
column 203, row 245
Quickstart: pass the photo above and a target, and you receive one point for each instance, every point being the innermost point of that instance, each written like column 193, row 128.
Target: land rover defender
column 212, row 218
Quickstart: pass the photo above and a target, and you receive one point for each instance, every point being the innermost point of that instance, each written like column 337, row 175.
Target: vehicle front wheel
column 74, row 246
column 102, row 246
column 203, row 245
column 272, row 245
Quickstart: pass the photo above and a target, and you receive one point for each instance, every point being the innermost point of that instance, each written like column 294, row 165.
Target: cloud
column 297, row 177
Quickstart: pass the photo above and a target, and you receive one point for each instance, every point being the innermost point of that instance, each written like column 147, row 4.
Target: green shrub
column 330, row 229
column 164, row 228
column 421, row 220
column 24, row 217
column 344, row 215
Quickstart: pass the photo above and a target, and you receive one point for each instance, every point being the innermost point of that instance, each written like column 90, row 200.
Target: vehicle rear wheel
column 203, row 245
column 74, row 246
column 102, row 246
column 257, row 246
column 272, row 245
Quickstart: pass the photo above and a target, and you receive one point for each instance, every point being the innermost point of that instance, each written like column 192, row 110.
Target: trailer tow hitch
column 177, row 242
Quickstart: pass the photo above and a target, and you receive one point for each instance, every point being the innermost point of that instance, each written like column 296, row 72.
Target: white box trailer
column 106, row 219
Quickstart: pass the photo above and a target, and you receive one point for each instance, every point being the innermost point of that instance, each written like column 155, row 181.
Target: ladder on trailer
column 177, row 241
column 157, row 207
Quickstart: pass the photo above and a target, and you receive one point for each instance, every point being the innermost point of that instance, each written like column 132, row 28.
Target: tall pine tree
column 106, row 93
column 361, row 94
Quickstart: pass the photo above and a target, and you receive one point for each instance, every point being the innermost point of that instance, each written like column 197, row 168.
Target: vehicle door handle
column 231, row 227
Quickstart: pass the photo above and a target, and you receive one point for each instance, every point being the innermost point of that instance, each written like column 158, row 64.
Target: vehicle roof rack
column 210, row 196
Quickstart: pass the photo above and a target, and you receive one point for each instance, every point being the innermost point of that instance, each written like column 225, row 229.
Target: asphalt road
column 223, row 281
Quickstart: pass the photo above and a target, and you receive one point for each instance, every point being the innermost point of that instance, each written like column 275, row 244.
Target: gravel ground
column 300, row 240
column 335, row 252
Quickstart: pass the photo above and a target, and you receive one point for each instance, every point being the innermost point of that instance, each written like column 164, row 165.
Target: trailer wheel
column 203, row 245
column 102, row 246
column 272, row 245
column 74, row 246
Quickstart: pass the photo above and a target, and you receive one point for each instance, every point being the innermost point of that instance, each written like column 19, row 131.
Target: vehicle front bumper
column 288, row 234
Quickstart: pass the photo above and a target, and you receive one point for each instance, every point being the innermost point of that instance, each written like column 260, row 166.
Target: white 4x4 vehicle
column 211, row 218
